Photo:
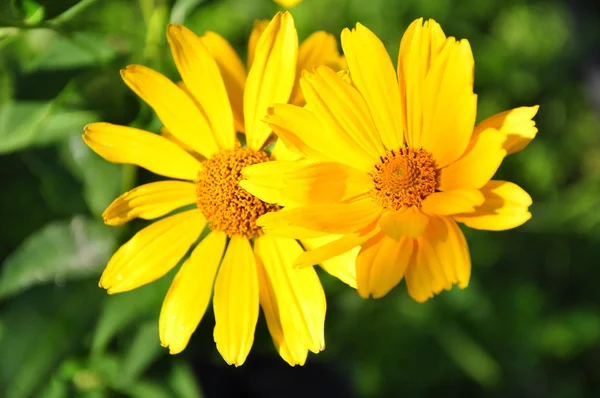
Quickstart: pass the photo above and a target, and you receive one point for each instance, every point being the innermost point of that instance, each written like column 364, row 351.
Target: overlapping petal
column 408, row 221
column 340, row 266
column 453, row 202
column 517, row 124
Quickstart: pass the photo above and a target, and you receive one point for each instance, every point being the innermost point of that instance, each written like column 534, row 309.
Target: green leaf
column 62, row 250
column 24, row 124
column 34, row 12
column 183, row 381
column 101, row 179
column 148, row 389
column 141, row 352
column 55, row 389
column 46, row 324
column 122, row 310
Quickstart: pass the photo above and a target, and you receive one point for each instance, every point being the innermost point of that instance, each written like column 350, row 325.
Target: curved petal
column 302, row 131
column 506, row 206
column 190, row 293
column 282, row 152
column 408, row 221
column 452, row 202
column 342, row 109
column 298, row 293
column 203, row 79
column 257, row 30
column 419, row 47
column 516, row 124
column 150, row 201
column 373, row 74
column 236, row 302
column 478, row 165
column 271, row 77
column 173, row 107
column 441, row 260
column 336, row 218
column 449, row 104
column 320, row 48
column 340, row 266
column 232, row 72
column 152, row 252
column 126, row 145
column 381, row 264
column 300, row 183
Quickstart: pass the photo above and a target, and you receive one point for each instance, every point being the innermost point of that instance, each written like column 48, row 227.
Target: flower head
column 393, row 161
column 200, row 151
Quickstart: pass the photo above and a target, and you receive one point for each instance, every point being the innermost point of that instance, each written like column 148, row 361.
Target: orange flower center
column 224, row 203
column 404, row 178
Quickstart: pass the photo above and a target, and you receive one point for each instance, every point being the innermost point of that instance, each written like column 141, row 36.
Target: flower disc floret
column 225, row 204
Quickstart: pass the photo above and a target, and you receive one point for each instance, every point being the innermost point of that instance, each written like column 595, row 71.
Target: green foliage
column 528, row 324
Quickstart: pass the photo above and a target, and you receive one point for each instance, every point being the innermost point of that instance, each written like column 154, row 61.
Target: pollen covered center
column 224, row 203
column 404, row 178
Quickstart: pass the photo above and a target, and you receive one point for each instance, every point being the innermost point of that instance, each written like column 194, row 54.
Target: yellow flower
column 200, row 151
column 393, row 161
column 287, row 3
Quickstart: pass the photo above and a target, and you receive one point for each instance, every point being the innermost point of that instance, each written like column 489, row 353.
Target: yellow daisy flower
column 201, row 153
column 394, row 161
column 287, row 3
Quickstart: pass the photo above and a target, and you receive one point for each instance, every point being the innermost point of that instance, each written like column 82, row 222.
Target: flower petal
column 190, row 293
column 271, row 76
column 173, row 107
column 516, row 123
column 336, row 218
column 381, row 264
column 453, row 202
column 236, row 302
column 341, row 266
column 408, row 221
column 152, row 252
column 298, row 292
column 342, row 109
column 257, row 30
column 478, row 165
column 202, row 78
column 320, row 48
column 120, row 144
column 442, row 259
column 373, row 74
column 232, row 72
column 150, row 201
column 300, row 183
column 419, row 48
column 449, row 104
column 302, row 131
column 282, row 152
column 506, row 206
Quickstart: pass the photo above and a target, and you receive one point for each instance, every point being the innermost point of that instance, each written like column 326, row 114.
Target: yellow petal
column 190, row 293
column 516, row 124
column 120, row 144
column 257, row 30
column 478, row 165
column 150, row 201
column 453, row 202
column 298, row 293
column 166, row 134
column 340, row 266
column 342, row 109
column 336, row 218
column 442, row 259
column 293, row 354
column 287, row 3
column 336, row 246
column 408, row 221
column 236, row 302
column 173, row 107
column 302, row 131
column 506, row 206
column 449, row 104
column 419, row 47
column 271, row 77
column 373, row 74
column 282, row 152
column 381, row 264
column 232, row 72
column 202, row 77
column 300, row 183
column 152, row 252
column 320, row 48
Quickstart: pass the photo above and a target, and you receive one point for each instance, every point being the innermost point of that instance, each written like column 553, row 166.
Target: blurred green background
column 528, row 325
